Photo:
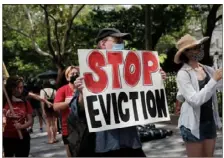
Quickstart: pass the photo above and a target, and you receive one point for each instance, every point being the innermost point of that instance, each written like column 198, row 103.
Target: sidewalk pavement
column 168, row 147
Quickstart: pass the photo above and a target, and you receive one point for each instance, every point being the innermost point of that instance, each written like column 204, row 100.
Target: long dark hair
column 47, row 84
column 184, row 58
column 62, row 80
column 11, row 83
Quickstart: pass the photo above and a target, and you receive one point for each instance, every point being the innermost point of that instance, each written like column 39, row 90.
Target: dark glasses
column 194, row 48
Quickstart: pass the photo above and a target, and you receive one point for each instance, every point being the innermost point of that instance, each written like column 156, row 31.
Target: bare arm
column 60, row 106
column 37, row 97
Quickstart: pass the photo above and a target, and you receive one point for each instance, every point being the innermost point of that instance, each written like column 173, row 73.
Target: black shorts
column 207, row 131
column 17, row 147
column 65, row 140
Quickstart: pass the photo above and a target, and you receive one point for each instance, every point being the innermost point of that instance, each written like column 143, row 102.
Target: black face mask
column 73, row 78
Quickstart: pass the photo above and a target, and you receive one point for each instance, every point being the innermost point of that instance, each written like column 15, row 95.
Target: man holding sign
column 122, row 89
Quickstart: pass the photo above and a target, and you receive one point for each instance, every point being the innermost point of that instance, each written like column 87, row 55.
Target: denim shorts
column 207, row 131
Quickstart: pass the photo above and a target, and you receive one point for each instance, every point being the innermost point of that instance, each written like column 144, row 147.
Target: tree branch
column 35, row 45
column 17, row 30
column 218, row 18
column 202, row 29
column 68, row 29
column 56, row 32
column 39, row 51
column 49, row 42
column 209, row 7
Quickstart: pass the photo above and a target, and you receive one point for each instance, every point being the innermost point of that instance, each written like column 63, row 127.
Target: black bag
column 81, row 141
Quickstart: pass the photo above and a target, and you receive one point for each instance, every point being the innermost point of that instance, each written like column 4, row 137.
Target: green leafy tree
column 208, row 17
column 47, row 28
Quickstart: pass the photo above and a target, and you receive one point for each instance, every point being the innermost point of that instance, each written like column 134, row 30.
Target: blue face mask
column 118, row 46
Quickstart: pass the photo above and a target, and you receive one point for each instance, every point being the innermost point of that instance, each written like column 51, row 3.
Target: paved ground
column 168, row 147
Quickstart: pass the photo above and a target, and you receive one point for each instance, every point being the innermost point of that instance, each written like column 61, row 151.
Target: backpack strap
column 52, row 94
column 46, row 93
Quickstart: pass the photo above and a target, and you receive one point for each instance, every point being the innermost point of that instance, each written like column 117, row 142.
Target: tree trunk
column 148, row 27
column 60, row 81
column 211, row 23
column 207, row 60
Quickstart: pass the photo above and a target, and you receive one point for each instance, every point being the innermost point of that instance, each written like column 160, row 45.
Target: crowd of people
column 199, row 118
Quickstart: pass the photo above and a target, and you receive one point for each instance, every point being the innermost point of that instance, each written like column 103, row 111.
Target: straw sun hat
column 187, row 41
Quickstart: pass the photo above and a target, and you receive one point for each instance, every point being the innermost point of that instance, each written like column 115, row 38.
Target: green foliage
column 169, row 22
column 220, row 103
column 162, row 58
column 131, row 20
column 171, row 91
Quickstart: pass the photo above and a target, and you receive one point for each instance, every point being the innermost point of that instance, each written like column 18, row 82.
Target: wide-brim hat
column 187, row 41
column 105, row 32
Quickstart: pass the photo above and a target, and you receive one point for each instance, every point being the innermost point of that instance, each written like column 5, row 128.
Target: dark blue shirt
column 112, row 139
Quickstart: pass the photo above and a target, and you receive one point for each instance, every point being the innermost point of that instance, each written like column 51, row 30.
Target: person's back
column 49, row 93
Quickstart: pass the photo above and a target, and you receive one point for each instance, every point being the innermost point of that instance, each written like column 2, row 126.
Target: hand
column 18, row 125
column 79, row 84
column 4, row 122
column 163, row 74
column 49, row 104
column 13, row 116
column 218, row 74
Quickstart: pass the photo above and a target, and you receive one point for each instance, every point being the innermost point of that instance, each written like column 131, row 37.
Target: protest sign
column 122, row 88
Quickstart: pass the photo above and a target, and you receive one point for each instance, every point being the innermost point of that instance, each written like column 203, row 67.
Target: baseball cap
column 105, row 32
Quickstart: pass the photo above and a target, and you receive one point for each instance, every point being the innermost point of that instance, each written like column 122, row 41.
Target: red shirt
column 63, row 93
column 22, row 111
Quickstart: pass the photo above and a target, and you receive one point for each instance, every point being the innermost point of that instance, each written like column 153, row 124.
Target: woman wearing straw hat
column 197, row 85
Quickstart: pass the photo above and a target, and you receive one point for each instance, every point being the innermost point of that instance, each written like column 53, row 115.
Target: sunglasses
column 194, row 48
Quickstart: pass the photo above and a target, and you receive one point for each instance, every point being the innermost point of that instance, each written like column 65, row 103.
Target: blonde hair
column 69, row 69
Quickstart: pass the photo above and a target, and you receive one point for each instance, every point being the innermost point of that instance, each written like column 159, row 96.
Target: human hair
column 183, row 58
column 47, row 84
column 98, row 44
column 61, row 81
column 68, row 70
column 11, row 83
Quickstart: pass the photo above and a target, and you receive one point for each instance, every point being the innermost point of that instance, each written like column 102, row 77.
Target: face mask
column 73, row 78
column 118, row 46
column 52, row 82
column 199, row 56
